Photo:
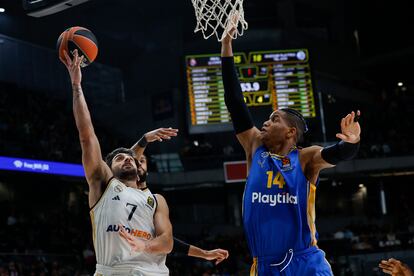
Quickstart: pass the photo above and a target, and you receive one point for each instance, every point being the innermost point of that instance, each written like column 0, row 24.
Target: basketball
column 78, row 38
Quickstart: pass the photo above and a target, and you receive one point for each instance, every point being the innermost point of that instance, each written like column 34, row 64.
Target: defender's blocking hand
column 350, row 128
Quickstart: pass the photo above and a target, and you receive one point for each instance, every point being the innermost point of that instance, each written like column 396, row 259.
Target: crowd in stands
column 386, row 124
column 54, row 243
column 362, row 238
column 238, row 263
column 37, row 126
column 59, row 242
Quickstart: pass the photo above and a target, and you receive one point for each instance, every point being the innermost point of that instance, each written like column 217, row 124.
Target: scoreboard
column 268, row 79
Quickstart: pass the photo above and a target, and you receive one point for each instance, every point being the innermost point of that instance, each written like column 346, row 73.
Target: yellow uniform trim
column 253, row 269
column 92, row 214
column 278, row 156
column 311, row 212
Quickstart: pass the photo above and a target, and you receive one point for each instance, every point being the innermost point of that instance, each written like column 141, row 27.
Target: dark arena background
column 353, row 55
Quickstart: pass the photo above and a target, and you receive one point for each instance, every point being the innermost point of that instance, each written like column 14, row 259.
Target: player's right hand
column 136, row 244
column 395, row 268
column 160, row 134
column 216, row 254
column 73, row 66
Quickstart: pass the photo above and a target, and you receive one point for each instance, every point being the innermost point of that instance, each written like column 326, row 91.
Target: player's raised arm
column 96, row 171
column 246, row 132
column 159, row 134
column 346, row 149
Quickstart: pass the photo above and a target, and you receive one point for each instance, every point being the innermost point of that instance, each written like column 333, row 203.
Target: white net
column 219, row 17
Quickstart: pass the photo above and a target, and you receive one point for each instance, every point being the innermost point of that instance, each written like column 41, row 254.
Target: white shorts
column 102, row 270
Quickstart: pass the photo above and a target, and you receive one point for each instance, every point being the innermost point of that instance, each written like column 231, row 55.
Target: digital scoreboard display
column 268, row 79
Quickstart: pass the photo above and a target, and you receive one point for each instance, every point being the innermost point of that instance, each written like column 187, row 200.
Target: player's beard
column 126, row 174
column 142, row 176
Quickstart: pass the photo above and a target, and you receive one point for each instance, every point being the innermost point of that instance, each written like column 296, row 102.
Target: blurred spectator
column 41, row 127
column 339, row 235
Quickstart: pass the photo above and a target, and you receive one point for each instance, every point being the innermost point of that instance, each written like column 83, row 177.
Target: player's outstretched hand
column 216, row 254
column 229, row 37
column 136, row 244
column 395, row 268
column 350, row 128
column 231, row 29
column 160, row 134
column 73, row 66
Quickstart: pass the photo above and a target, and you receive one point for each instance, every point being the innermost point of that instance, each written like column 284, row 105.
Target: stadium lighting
column 2, row 9
column 400, row 83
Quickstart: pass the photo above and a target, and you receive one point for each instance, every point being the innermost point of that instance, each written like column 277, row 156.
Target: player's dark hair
column 295, row 119
column 110, row 156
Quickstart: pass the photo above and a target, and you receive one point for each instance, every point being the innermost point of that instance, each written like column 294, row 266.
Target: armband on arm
column 142, row 142
column 180, row 246
column 233, row 97
column 341, row 151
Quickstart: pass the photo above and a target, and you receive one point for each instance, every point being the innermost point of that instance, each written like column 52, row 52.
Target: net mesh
column 219, row 17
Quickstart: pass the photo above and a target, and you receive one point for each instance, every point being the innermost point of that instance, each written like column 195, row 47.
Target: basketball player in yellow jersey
column 114, row 199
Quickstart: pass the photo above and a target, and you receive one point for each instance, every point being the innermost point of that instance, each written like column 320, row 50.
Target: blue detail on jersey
column 274, row 208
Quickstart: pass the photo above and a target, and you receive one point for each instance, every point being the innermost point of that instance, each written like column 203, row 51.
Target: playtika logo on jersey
column 276, row 182
column 274, row 199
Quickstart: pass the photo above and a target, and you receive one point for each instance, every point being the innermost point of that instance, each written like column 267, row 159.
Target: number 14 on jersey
column 278, row 180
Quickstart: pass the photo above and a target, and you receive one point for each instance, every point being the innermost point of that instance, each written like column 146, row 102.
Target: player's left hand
column 137, row 245
column 160, row 134
column 216, row 254
column 231, row 29
column 350, row 128
column 395, row 268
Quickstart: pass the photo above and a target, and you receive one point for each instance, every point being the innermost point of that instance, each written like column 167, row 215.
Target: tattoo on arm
column 77, row 91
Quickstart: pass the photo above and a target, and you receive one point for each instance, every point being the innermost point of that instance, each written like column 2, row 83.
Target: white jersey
column 134, row 209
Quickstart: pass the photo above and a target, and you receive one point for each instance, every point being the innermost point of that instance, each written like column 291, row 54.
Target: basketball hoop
column 219, row 17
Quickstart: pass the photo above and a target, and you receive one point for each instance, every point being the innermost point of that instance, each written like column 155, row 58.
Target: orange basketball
column 78, row 38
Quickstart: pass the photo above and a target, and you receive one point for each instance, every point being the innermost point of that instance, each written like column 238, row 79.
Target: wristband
column 143, row 142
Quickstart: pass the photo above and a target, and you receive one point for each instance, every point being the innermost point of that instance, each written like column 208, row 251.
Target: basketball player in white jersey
column 116, row 202
column 180, row 246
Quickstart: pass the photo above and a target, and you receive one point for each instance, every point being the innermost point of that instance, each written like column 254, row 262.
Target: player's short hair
column 295, row 119
column 110, row 156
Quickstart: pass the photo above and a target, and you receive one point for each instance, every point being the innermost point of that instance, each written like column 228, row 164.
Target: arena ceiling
column 126, row 27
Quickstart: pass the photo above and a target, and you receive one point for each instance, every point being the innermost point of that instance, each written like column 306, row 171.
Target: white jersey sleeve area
column 134, row 209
